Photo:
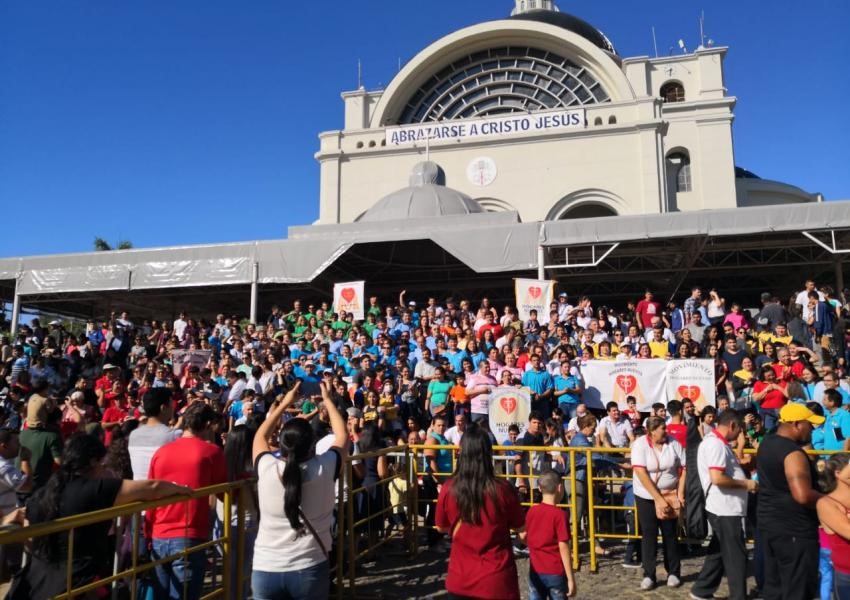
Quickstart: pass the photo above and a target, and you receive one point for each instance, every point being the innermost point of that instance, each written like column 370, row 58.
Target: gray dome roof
column 570, row 23
column 426, row 196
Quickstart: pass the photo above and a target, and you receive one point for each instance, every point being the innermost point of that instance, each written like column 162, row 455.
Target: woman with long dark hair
column 237, row 457
column 479, row 511
column 80, row 486
column 297, row 494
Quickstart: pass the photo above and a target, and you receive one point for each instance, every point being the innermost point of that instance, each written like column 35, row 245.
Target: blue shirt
column 568, row 382
column 836, row 429
column 455, row 359
column 477, row 358
column 538, row 381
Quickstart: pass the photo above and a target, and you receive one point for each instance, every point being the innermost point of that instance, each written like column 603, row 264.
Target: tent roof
column 486, row 243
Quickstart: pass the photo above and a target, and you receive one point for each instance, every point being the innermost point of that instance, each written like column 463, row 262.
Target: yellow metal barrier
column 133, row 511
column 360, row 534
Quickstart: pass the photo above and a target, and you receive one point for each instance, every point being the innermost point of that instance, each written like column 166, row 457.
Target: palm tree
column 101, row 245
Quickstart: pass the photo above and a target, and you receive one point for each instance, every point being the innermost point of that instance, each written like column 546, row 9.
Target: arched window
column 597, row 121
column 672, row 91
column 679, row 167
column 612, row 120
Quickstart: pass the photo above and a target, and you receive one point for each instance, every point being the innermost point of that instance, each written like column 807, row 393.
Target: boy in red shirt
column 547, row 533
column 459, row 397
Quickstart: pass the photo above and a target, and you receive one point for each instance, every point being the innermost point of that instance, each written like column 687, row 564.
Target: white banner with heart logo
column 534, row 294
column 348, row 297
column 649, row 381
column 509, row 406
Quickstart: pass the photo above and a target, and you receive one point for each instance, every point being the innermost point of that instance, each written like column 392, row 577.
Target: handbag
column 670, row 496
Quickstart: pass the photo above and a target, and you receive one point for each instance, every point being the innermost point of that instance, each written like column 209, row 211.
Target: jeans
column 841, row 583
column 183, row 572
column 546, row 587
column 825, row 568
column 726, row 554
column 770, row 417
column 569, row 410
column 312, row 583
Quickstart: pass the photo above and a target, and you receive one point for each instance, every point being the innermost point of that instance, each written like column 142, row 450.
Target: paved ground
column 395, row 576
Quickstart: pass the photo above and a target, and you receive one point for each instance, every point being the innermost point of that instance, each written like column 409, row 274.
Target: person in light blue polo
column 540, row 382
column 567, row 390
column 836, row 428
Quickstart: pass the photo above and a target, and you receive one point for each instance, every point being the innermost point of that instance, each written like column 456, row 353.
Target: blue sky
column 196, row 121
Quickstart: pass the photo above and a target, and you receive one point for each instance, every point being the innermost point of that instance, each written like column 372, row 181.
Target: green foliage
column 101, row 245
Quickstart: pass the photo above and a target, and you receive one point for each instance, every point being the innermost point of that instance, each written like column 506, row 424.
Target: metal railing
column 230, row 571
column 362, row 512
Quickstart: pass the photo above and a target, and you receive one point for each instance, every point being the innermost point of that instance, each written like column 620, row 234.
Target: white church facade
column 538, row 114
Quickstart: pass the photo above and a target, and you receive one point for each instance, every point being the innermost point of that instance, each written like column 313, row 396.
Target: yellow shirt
column 659, row 349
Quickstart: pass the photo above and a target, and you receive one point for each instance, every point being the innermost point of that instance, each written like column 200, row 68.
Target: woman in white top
column 296, row 493
column 659, row 463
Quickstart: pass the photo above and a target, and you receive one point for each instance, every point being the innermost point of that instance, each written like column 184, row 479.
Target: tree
column 101, row 245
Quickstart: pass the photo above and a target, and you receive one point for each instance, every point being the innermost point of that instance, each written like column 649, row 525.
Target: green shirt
column 44, row 446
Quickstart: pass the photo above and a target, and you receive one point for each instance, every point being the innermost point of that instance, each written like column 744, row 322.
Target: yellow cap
column 793, row 412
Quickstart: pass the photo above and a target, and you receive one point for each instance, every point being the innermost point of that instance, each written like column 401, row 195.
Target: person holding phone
column 836, row 429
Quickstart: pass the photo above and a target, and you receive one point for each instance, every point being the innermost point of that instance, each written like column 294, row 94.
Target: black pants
column 790, row 566
column 649, row 525
column 726, row 554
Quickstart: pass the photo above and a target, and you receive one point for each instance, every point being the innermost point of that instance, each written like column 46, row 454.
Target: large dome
column 426, row 196
column 570, row 23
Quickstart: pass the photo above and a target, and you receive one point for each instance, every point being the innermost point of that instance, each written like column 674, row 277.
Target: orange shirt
column 458, row 394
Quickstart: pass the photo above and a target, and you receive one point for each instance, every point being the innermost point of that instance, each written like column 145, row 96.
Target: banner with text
column 182, row 360
column 533, row 294
column 649, row 381
column 492, row 127
column 348, row 297
column 692, row 379
column 509, row 406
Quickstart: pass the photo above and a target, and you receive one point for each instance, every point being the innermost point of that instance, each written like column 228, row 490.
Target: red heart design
column 691, row 392
column 347, row 294
column 508, row 403
column 534, row 292
column 627, row 383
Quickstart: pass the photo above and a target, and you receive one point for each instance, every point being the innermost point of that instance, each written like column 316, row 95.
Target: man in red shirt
column 491, row 325
column 677, row 428
column 646, row 309
column 193, row 461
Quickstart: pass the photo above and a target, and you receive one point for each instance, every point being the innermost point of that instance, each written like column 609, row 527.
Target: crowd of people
column 132, row 411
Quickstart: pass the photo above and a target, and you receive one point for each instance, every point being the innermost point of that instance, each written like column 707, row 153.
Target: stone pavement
column 395, row 576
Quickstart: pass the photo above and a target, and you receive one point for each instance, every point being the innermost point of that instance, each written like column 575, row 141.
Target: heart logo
column 627, row 383
column 508, row 403
column 347, row 294
column 691, row 392
column 534, row 292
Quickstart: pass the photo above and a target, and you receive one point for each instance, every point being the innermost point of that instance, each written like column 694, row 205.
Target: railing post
column 352, row 540
column 226, row 543
column 574, row 507
column 591, row 512
column 69, row 576
column 414, row 514
column 241, row 533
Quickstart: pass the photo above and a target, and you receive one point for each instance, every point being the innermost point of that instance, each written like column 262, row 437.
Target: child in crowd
column 458, row 395
column 398, row 497
column 547, row 533
column 632, row 413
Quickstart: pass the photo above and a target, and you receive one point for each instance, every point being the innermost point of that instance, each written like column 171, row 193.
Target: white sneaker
column 647, row 584
column 673, row 581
